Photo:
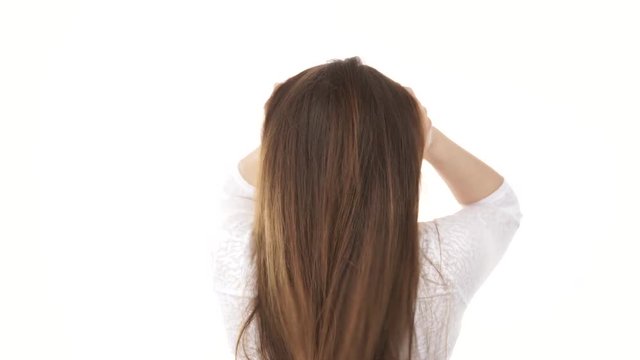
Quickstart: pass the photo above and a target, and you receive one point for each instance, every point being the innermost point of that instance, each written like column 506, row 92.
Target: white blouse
column 464, row 247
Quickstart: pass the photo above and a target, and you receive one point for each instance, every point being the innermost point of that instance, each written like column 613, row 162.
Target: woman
column 324, row 257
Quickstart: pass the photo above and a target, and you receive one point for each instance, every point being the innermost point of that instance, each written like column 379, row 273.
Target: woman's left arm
column 249, row 166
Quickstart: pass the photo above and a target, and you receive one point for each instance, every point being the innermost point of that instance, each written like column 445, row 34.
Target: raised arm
column 471, row 241
column 468, row 178
column 249, row 166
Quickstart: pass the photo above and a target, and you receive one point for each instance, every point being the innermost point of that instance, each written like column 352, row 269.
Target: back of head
column 335, row 232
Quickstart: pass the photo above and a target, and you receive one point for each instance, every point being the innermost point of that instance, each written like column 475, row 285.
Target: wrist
column 439, row 150
column 430, row 143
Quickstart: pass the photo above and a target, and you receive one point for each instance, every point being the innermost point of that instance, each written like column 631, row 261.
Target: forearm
column 249, row 166
column 468, row 178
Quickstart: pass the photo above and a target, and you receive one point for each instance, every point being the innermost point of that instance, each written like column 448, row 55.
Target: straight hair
column 335, row 232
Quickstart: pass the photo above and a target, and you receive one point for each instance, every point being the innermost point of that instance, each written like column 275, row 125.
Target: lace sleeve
column 233, row 268
column 473, row 240
column 235, row 310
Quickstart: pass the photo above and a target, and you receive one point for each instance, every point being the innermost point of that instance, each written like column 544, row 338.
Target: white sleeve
column 473, row 240
column 235, row 310
column 233, row 268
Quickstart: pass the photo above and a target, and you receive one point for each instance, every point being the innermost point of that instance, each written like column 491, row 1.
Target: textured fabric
column 458, row 252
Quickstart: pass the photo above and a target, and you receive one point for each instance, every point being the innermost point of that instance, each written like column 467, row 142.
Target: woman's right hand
column 431, row 130
column 427, row 125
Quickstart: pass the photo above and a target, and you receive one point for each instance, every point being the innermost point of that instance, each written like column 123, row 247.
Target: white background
column 116, row 118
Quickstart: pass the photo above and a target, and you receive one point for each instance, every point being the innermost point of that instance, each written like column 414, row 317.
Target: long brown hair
column 335, row 233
